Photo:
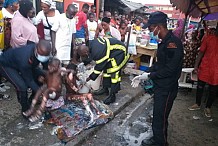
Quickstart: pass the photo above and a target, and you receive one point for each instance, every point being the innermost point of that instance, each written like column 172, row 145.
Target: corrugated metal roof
column 132, row 5
column 196, row 8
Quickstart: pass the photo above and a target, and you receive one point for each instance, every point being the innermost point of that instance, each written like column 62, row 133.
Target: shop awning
column 132, row 6
column 196, row 8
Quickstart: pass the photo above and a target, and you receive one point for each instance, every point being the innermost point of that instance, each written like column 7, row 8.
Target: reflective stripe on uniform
column 114, row 69
column 97, row 72
column 117, row 78
column 106, row 75
column 107, row 53
column 99, row 40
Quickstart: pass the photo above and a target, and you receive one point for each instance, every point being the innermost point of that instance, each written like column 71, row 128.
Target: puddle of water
column 135, row 141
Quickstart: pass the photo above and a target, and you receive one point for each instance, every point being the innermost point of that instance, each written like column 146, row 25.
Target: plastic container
column 143, row 68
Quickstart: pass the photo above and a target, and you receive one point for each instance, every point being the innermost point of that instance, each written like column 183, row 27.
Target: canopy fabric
column 196, row 8
column 213, row 16
column 132, row 5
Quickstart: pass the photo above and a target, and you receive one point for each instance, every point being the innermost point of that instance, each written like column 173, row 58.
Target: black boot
column 110, row 99
column 23, row 101
column 101, row 91
column 148, row 142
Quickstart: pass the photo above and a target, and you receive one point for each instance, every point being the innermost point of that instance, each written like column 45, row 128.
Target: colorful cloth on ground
column 208, row 70
column 73, row 118
column 55, row 104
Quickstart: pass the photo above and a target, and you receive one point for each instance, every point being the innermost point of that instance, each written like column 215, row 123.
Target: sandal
column 5, row 97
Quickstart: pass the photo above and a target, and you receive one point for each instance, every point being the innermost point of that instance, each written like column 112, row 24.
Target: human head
column 157, row 23
column 12, row 4
column 53, row 65
column 123, row 18
column 101, row 13
column 71, row 11
column 145, row 20
column 83, row 52
column 107, row 14
column 46, row 5
column 91, row 17
column 43, row 50
column 1, row 4
column 26, row 8
column 122, row 25
column 127, row 17
column 137, row 21
column 105, row 23
column 93, row 8
column 85, row 8
column 116, row 17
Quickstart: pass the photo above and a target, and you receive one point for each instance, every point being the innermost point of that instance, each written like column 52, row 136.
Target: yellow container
column 137, row 62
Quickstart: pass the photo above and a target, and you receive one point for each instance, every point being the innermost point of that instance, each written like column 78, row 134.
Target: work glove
column 138, row 79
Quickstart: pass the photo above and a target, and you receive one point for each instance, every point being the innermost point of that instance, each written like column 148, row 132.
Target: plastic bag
column 132, row 44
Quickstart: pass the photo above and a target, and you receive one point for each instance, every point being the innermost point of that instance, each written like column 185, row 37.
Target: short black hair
column 25, row 7
column 71, row 66
column 122, row 22
column 93, row 6
column 85, row 6
column 54, row 61
column 91, row 14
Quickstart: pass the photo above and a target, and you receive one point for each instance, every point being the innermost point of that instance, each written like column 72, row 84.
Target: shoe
column 194, row 107
column 148, row 142
column 2, row 89
column 101, row 91
column 4, row 86
column 207, row 112
column 110, row 99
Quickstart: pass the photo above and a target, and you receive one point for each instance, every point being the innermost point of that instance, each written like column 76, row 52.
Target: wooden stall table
column 146, row 50
column 142, row 50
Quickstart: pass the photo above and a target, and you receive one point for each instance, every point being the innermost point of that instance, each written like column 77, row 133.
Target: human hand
column 41, row 79
column 54, row 51
column 88, row 79
column 195, row 70
column 137, row 79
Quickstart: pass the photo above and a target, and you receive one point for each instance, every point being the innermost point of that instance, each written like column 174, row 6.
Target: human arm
column 97, row 70
column 54, row 29
column 53, row 39
column 17, row 38
column 174, row 59
column 39, row 18
column 27, row 75
column 136, row 80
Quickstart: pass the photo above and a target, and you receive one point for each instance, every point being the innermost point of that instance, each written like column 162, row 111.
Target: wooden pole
column 97, row 9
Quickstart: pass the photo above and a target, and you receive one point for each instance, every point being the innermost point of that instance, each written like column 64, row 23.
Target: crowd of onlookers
column 69, row 30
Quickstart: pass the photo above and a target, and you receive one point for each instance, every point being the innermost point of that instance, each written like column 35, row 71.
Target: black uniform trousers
column 163, row 102
column 15, row 78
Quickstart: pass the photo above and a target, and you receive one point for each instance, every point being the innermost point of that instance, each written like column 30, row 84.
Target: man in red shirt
column 81, row 25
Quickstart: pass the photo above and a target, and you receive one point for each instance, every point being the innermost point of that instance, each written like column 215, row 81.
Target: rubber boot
column 110, row 99
column 101, row 91
column 23, row 101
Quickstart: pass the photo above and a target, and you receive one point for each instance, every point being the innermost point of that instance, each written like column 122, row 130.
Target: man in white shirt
column 92, row 26
column 62, row 34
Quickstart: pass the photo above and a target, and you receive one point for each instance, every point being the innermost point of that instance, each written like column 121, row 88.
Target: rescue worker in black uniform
column 20, row 67
column 110, row 56
column 164, row 74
